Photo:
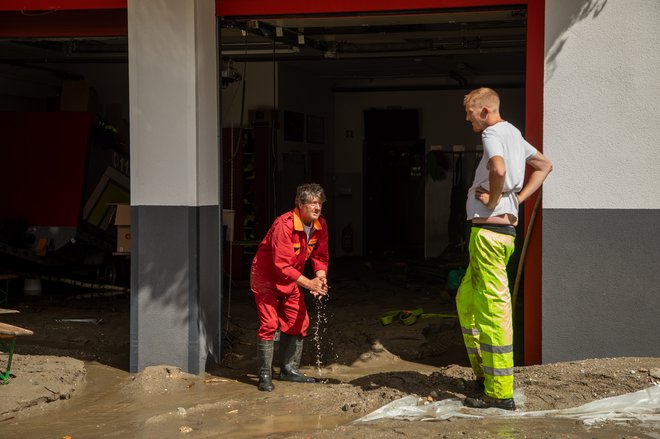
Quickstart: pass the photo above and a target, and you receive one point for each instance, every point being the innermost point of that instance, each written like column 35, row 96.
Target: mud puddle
column 164, row 402
column 110, row 405
column 113, row 404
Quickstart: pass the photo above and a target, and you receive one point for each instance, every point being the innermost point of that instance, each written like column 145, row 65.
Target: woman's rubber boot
column 290, row 354
column 265, row 350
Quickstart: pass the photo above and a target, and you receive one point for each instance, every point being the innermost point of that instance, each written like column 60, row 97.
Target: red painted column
column 60, row 5
column 534, row 134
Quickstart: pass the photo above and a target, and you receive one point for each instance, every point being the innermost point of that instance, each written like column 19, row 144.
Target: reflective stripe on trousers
column 484, row 309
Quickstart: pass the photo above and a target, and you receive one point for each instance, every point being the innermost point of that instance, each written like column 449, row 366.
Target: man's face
column 476, row 116
column 311, row 210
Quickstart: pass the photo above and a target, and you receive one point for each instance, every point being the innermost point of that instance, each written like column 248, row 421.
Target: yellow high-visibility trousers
column 483, row 303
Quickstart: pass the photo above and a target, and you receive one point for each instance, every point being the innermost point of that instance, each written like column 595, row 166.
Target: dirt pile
column 39, row 380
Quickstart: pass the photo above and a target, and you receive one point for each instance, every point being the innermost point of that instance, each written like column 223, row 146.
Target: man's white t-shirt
column 505, row 140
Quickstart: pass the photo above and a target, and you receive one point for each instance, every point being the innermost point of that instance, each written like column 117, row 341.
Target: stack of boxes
column 123, row 224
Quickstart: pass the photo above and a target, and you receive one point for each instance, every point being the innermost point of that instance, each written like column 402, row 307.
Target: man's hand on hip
column 483, row 195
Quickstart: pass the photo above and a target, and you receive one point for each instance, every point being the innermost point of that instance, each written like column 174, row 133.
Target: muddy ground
column 70, row 376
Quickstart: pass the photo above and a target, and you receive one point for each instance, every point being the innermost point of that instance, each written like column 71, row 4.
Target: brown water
column 104, row 408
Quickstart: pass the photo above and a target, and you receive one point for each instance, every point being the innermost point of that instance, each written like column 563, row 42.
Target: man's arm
column 320, row 258
column 283, row 253
column 497, row 172
column 542, row 167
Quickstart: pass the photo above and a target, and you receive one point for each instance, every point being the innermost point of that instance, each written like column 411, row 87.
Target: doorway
column 394, row 184
column 412, row 48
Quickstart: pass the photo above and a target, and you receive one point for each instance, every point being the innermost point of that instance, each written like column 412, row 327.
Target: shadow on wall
column 557, row 34
column 174, row 298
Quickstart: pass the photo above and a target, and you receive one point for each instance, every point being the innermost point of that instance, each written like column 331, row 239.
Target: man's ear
column 484, row 113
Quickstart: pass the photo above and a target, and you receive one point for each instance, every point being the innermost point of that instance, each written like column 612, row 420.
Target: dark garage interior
column 367, row 105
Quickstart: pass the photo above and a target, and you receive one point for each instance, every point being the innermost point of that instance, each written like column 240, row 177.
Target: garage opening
column 64, row 104
column 64, row 175
column 370, row 106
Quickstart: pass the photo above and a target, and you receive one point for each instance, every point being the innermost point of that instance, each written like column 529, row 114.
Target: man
column 483, row 300
column 276, row 278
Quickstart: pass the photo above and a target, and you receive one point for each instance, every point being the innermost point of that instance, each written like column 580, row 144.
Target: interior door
column 394, row 184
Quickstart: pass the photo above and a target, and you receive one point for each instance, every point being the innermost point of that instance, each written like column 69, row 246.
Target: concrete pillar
column 175, row 288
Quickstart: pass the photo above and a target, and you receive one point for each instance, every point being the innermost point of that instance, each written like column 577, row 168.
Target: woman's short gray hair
column 306, row 192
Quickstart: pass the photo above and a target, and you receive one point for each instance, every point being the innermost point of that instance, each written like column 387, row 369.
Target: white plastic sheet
column 643, row 406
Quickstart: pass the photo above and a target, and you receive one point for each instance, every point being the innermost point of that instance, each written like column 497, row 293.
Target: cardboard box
column 123, row 239
column 228, row 217
column 123, row 214
column 123, row 223
column 78, row 96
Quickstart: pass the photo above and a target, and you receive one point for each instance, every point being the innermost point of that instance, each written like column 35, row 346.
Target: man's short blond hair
column 482, row 97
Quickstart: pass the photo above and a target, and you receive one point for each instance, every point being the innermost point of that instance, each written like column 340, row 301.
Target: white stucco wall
column 601, row 127
column 206, row 92
column 173, row 98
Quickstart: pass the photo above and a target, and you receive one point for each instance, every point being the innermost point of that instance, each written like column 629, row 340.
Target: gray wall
column 601, row 283
column 175, row 312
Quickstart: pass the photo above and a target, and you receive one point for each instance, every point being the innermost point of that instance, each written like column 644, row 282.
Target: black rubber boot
column 290, row 354
column 265, row 351
column 489, row 402
column 480, row 384
column 476, row 385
